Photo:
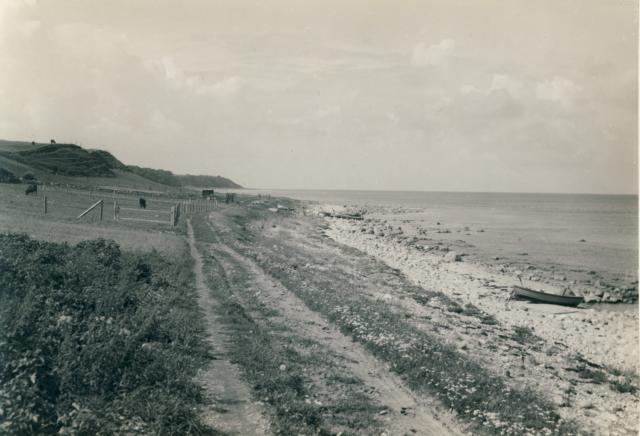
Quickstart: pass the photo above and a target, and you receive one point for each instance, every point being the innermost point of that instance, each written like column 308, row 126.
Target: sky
column 448, row 95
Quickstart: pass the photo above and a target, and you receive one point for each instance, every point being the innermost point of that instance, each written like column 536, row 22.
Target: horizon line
column 636, row 194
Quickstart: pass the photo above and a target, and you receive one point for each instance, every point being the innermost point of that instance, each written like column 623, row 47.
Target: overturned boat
column 543, row 297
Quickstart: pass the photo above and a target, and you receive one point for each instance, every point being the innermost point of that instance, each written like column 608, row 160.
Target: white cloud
column 558, row 89
column 503, row 82
column 160, row 121
column 499, row 82
column 435, row 55
column 167, row 68
column 223, row 89
column 465, row 88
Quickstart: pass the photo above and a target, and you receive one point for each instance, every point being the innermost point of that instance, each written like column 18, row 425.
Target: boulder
column 615, row 296
column 452, row 256
column 591, row 298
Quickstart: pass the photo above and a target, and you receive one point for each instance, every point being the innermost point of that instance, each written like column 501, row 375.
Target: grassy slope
column 68, row 159
column 11, row 146
column 207, row 181
column 121, row 178
column 78, row 166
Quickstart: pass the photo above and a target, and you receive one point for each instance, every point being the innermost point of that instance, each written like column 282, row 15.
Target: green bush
column 97, row 341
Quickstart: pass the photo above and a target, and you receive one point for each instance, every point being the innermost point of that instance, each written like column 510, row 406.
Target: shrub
column 95, row 340
column 625, row 386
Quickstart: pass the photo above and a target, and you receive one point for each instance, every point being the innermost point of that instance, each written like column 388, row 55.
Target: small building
column 207, row 193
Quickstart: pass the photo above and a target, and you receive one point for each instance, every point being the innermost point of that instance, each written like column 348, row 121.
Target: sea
column 576, row 231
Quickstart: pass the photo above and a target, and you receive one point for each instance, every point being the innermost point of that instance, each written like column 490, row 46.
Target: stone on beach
column 452, row 256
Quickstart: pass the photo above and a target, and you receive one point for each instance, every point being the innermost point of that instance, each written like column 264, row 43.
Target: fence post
column 45, row 204
column 173, row 216
column 96, row 204
column 101, row 207
column 115, row 210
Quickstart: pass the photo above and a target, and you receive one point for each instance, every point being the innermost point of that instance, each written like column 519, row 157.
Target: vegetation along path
column 231, row 410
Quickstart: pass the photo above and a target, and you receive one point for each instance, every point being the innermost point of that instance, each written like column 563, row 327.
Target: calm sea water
column 549, row 227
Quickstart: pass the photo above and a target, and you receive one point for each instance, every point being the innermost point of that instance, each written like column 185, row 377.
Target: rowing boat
column 543, row 297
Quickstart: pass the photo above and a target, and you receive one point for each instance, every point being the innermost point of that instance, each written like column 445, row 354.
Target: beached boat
column 347, row 216
column 543, row 297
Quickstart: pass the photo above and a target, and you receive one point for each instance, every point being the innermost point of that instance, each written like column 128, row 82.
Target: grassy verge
column 97, row 341
column 298, row 381
column 424, row 360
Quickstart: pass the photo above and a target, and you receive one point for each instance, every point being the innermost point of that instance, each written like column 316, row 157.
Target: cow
column 143, row 203
column 32, row 188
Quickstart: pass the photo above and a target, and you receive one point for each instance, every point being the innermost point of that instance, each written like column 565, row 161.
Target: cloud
column 83, row 83
column 180, row 91
column 503, row 82
column 224, row 89
column 499, row 83
column 176, row 77
column 435, row 55
column 558, row 89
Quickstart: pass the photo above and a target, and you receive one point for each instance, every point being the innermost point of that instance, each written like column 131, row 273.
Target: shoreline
column 607, row 333
column 603, row 341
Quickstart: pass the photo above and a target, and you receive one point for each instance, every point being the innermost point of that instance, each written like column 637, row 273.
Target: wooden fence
column 61, row 203
column 186, row 207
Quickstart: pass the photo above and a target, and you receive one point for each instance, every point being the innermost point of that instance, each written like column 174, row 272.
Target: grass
column 594, row 375
column 524, row 335
column 25, row 214
column 97, row 341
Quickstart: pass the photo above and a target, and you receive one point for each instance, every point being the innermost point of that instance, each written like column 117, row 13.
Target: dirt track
column 232, row 410
column 399, row 409
column 406, row 412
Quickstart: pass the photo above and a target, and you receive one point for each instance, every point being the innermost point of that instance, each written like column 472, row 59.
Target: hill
column 168, row 178
column 68, row 160
column 206, row 181
column 70, row 163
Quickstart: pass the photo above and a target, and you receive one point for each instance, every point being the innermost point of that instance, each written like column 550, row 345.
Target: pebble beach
column 602, row 332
